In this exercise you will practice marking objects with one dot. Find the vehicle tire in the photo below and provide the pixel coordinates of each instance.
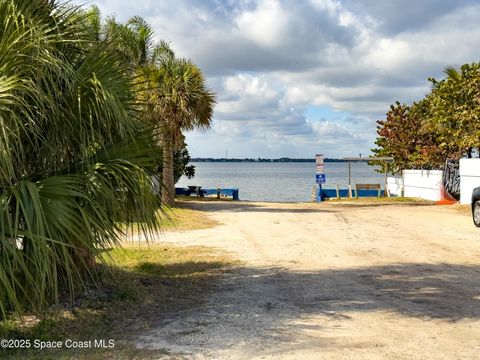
(476, 213)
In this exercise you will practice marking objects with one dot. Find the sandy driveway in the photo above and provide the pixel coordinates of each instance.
(334, 281)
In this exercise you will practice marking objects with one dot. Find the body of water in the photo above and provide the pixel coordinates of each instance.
(282, 182)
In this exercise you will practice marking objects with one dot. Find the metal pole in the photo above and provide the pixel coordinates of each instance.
(385, 186)
(349, 180)
(349, 174)
(386, 192)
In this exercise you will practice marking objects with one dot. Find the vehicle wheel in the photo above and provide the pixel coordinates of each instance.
(476, 213)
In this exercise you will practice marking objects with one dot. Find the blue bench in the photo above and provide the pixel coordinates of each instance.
(233, 193)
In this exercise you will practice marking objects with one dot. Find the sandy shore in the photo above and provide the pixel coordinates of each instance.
(334, 281)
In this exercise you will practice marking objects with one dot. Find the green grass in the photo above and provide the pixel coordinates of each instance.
(381, 200)
(182, 217)
(132, 292)
(179, 218)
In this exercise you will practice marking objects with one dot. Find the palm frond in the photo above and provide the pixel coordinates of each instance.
(75, 159)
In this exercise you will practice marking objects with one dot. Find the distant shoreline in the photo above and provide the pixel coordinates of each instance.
(279, 160)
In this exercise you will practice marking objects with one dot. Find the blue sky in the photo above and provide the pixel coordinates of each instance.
(296, 78)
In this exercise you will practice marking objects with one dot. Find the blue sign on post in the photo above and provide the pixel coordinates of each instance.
(320, 178)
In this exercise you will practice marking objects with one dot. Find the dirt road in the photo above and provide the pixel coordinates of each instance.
(334, 281)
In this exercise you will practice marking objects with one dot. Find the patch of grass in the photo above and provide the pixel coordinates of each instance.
(119, 352)
(181, 218)
(381, 200)
(167, 260)
(135, 288)
(178, 218)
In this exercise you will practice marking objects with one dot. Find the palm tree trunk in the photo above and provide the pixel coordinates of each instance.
(168, 189)
(84, 257)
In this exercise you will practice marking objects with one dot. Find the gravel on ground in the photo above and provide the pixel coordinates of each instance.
(333, 281)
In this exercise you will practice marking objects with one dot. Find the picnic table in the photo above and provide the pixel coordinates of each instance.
(196, 190)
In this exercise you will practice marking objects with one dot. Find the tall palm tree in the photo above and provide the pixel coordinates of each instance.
(74, 155)
(174, 91)
(133, 40)
(180, 101)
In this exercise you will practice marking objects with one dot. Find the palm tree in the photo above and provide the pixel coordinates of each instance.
(75, 158)
(174, 92)
(180, 102)
(133, 40)
(452, 74)
(457, 107)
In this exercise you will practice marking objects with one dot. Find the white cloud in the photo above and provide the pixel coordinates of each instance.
(266, 25)
(269, 60)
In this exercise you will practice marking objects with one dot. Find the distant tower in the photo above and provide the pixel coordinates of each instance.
(226, 153)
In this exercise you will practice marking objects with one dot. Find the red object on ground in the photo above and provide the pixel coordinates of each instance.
(447, 199)
(446, 202)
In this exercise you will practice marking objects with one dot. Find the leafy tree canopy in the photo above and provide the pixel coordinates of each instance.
(445, 124)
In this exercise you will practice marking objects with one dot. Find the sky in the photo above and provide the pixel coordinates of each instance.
(295, 78)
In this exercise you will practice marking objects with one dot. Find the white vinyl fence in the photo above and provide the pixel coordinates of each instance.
(428, 184)
(469, 178)
(395, 185)
(424, 184)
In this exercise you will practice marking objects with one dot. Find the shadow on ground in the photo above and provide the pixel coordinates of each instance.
(243, 206)
(193, 307)
(117, 304)
(294, 208)
(445, 291)
(257, 303)
(377, 204)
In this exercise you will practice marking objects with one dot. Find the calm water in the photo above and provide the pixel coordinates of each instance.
(277, 181)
